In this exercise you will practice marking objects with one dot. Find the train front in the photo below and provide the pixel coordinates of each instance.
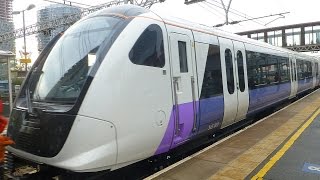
(45, 123)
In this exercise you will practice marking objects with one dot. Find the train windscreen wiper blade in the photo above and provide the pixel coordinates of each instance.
(28, 98)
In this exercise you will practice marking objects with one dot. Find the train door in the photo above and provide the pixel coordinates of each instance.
(293, 73)
(317, 73)
(242, 80)
(235, 102)
(184, 85)
(314, 78)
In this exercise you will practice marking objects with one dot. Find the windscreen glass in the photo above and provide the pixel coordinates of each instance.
(67, 66)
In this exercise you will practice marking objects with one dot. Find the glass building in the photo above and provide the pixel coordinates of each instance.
(6, 24)
(50, 13)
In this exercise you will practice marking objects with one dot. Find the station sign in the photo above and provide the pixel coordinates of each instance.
(28, 60)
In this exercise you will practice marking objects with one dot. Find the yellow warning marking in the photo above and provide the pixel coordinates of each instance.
(283, 150)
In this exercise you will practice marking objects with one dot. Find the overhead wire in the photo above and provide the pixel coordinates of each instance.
(204, 6)
(209, 5)
(221, 13)
(234, 13)
(211, 10)
(244, 14)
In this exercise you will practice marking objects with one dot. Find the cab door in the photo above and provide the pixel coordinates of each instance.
(183, 85)
(293, 76)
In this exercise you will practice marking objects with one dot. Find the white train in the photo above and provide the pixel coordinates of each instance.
(125, 84)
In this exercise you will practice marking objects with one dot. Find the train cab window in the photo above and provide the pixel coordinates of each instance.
(149, 48)
(212, 80)
(229, 71)
(240, 71)
(183, 56)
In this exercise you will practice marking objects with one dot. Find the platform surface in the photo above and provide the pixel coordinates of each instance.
(246, 154)
(301, 159)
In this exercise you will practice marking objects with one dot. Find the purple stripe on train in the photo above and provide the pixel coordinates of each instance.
(262, 97)
(211, 111)
(304, 84)
(172, 140)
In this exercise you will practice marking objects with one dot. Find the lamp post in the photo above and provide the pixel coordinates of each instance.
(31, 6)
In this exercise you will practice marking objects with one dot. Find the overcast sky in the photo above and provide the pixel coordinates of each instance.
(207, 12)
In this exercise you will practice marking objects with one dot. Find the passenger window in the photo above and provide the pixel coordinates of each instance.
(309, 69)
(295, 71)
(271, 70)
(241, 71)
(229, 70)
(212, 80)
(300, 68)
(183, 56)
(257, 70)
(292, 71)
(266, 69)
(149, 48)
(284, 69)
(317, 69)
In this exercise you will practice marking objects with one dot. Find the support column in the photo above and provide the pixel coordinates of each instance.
(284, 38)
(265, 36)
(302, 36)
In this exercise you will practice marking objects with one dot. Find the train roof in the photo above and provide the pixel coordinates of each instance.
(218, 32)
(134, 11)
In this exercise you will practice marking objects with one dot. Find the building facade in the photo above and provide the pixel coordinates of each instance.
(6, 24)
(50, 13)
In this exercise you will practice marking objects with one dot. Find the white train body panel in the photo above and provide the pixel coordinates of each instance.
(126, 112)
(91, 146)
(139, 132)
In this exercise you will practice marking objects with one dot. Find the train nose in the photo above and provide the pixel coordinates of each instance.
(90, 145)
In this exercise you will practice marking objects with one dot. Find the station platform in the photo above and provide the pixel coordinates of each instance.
(284, 145)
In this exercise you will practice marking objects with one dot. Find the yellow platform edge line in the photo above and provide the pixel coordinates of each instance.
(283, 150)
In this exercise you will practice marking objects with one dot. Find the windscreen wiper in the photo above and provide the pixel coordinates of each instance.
(28, 98)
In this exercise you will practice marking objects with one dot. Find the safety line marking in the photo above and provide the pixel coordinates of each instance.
(285, 147)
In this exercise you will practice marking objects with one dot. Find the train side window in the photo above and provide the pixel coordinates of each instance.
(271, 70)
(183, 56)
(292, 70)
(317, 69)
(258, 69)
(300, 69)
(251, 69)
(229, 71)
(149, 48)
(295, 71)
(284, 69)
(212, 80)
(309, 69)
(240, 71)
